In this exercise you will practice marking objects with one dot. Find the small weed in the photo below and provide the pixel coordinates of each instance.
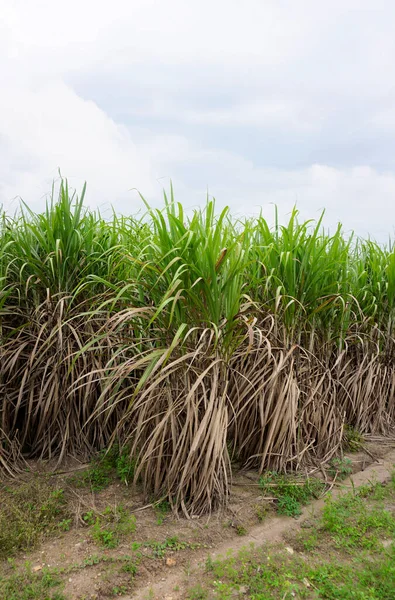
(104, 537)
(197, 593)
(240, 530)
(118, 590)
(107, 465)
(224, 591)
(289, 506)
(340, 468)
(89, 517)
(353, 440)
(291, 493)
(129, 567)
(161, 510)
(92, 560)
(209, 564)
(65, 525)
(26, 585)
(135, 546)
(28, 512)
(261, 512)
(171, 543)
(113, 524)
(98, 477)
(125, 467)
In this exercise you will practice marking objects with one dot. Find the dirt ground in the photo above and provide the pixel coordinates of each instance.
(165, 570)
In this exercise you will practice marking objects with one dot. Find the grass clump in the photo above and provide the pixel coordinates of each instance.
(27, 585)
(161, 509)
(290, 493)
(353, 523)
(197, 592)
(353, 440)
(340, 468)
(109, 527)
(105, 467)
(171, 543)
(29, 512)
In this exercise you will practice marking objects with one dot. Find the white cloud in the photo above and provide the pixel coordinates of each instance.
(172, 30)
(362, 198)
(268, 113)
(51, 127)
(276, 101)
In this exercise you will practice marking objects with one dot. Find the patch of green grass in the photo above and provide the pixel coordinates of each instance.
(291, 493)
(94, 559)
(261, 512)
(276, 576)
(170, 543)
(356, 523)
(125, 467)
(161, 510)
(241, 530)
(105, 467)
(310, 542)
(108, 528)
(26, 585)
(22, 583)
(353, 440)
(340, 468)
(361, 580)
(353, 523)
(28, 512)
(129, 567)
(197, 593)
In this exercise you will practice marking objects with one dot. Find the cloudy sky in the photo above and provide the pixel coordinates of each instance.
(258, 102)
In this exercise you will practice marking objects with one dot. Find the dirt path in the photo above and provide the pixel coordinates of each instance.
(170, 584)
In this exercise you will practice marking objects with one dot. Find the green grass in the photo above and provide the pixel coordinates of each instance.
(340, 468)
(197, 593)
(23, 583)
(29, 512)
(27, 585)
(290, 493)
(347, 561)
(161, 510)
(353, 523)
(353, 440)
(111, 526)
(105, 468)
(173, 544)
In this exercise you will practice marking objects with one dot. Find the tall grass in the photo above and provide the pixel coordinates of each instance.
(195, 339)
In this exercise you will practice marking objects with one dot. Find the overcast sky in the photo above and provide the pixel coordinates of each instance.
(259, 102)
